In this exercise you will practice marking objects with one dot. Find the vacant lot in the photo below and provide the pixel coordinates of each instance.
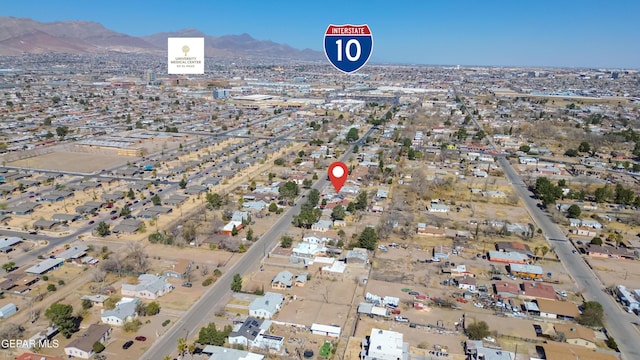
(72, 161)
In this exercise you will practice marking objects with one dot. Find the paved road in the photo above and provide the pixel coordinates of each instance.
(196, 315)
(618, 322)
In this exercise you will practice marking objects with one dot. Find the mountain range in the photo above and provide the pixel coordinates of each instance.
(26, 36)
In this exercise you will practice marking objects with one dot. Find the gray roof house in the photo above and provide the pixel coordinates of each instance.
(73, 252)
(124, 311)
(283, 280)
(266, 306)
(149, 287)
(245, 333)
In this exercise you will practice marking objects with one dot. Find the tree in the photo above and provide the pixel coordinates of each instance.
(584, 147)
(278, 162)
(478, 330)
(153, 308)
(183, 183)
(62, 131)
(286, 241)
(126, 211)
(596, 241)
(182, 346)
(338, 213)
(306, 183)
(214, 200)
(130, 194)
(7, 266)
(352, 135)
(571, 153)
(289, 191)
(62, 316)
(209, 335)
(249, 235)
(592, 314)
(314, 197)
(87, 304)
(368, 238)
(546, 191)
(51, 288)
(98, 347)
(234, 231)
(525, 148)
(544, 250)
(273, 207)
(361, 201)
(103, 229)
(236, 284)
(574, 211)
(155, 199)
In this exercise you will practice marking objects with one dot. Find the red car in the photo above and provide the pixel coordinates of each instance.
(141, 338)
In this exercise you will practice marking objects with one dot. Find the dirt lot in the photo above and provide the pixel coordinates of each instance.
(73, 161)
(614, 272)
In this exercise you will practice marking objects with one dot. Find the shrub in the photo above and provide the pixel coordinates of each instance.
(166, 322)
(98, 347)
(207, 282)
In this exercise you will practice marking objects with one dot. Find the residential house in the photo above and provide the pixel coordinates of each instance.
(429, 230)
(558, 351)
(583, 231)
(322, 226)
(508, 257)
(537, 290)
(514, 246)
(223, 353)
(525, 270)
(576, 335)
(357, 256)
(385, 345)
(82, 346)
(149, 287)
(283, 280)
(180, 269)
(301, 279)
(438, 208)
(467, 283)
(477, 350)
(266, 306)
(308, 250)
(565, 310)
(253, 333)
(506, 289)
(124, 311)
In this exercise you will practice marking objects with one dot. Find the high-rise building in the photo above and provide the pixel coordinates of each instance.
(149, 76)
(220, 93)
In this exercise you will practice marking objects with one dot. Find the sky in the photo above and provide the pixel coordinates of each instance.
(568, 33)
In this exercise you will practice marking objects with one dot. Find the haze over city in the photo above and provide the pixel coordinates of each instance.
(540, 33)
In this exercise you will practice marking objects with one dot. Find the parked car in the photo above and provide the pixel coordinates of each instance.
(400, 319)
(127, 344)
(91, 222)
(187, 284)
(141, 338)
(496, 278)
(478, 305)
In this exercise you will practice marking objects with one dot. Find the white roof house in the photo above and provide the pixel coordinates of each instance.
(223, 353)
(124, 311)
(266, 306)
(387, 345)
(326, 330)
(149, 287)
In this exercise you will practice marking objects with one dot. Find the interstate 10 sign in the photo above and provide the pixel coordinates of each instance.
(348, 47)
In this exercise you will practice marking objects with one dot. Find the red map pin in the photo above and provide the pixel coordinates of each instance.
(338, 173)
